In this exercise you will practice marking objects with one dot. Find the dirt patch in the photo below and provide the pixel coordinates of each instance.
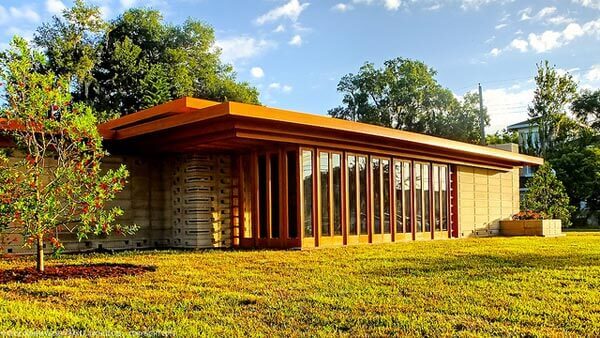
(64, 272)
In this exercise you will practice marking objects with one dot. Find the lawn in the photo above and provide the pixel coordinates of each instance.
(495, 286)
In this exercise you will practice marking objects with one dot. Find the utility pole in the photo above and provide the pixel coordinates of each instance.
(481, 116)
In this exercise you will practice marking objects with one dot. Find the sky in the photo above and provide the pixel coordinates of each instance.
(296, 51)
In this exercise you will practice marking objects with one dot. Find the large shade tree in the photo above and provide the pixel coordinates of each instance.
(137, 60)
(404, 94)
(553, 94)
(51, 181)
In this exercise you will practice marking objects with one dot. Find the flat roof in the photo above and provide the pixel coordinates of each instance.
(188, 123)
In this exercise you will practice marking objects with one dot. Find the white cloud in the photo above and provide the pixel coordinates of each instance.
(506, 105)
(257, 72)
(55, 6)
(296, 40)
(290, 10)
(433, 7)
(279, 29)
(559, 20)
(524, 13)
(392, 5)
(476, 4)
(545, 12)
(572, 31)
(593, 75)
(276, 86)
(595, 4)
(545, 41)
(519, 44)
(500, 26)
(495, 52)
(341, 7)
(242, 47)
(128, 3)
(14, 15)
(550, 39)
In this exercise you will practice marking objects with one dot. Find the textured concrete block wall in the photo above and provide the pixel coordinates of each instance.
(485, 197)
(201, 201)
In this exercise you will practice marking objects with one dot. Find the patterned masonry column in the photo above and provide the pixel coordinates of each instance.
(201, 197)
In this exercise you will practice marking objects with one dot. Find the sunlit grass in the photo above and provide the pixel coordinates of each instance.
(496, 286)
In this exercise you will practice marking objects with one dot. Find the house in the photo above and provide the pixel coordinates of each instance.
(529, 138)
(207, 174)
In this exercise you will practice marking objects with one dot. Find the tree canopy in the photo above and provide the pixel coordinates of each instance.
(404, 94)
(137, 60)
(586, 108)
(553, 94)
(546, 193)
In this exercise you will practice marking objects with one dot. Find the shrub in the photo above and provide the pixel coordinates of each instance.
(529, 214)
(546, 194)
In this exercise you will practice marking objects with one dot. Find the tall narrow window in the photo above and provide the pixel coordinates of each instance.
(336, 168)
(426, 198)
(292, 171)
(247, 193)
(362, 181)
(352, 195)
(376, 179)
(307, 192)
(419, 198)
(385, 166)
(274, 186)
(444, 193)
(263, 210)
(406, 182)
(325, 198)
(398, 196)
(437, 222)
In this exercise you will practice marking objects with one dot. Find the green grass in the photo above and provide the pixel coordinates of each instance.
(472, 287)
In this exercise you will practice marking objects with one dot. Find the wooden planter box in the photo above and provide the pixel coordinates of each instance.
(533, 227)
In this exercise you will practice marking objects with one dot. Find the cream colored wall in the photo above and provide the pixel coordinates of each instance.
(145, 201)
(485, 197)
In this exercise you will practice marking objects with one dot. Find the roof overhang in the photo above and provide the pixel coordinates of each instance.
(188, 124)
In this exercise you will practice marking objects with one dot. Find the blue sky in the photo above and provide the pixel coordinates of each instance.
(295, 51)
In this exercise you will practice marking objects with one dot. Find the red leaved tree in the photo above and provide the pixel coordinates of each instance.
(51, 179)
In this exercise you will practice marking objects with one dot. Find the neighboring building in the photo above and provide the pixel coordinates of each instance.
(206, 174)
(528, 136)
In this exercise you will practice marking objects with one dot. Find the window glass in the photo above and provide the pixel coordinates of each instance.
(398, 196)
(247, 203)
(444, 192)
(437, 222)
(292, 170)
(419, 198)
(385, 166)
(274, 196)
(336, 168)
(376, 179)
(406, 182)
(352, 194)
(263, 211)
(307, 192)
(324, 181)
(362, 181)
(426, 198)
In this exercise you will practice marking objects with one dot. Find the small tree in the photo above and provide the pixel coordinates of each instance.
(53, 182)
(547, 194)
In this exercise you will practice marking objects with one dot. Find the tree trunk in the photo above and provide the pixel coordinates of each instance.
(40, 253)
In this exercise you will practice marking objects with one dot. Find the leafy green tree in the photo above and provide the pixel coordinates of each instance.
(71, 43)
(553, 94)
(137, 61)
(404, 94)
(587, 108)
(53, 181)
(546, 193)
(502, 137)
(144, 62)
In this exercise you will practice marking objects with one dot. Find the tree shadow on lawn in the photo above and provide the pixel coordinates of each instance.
(65, 272)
